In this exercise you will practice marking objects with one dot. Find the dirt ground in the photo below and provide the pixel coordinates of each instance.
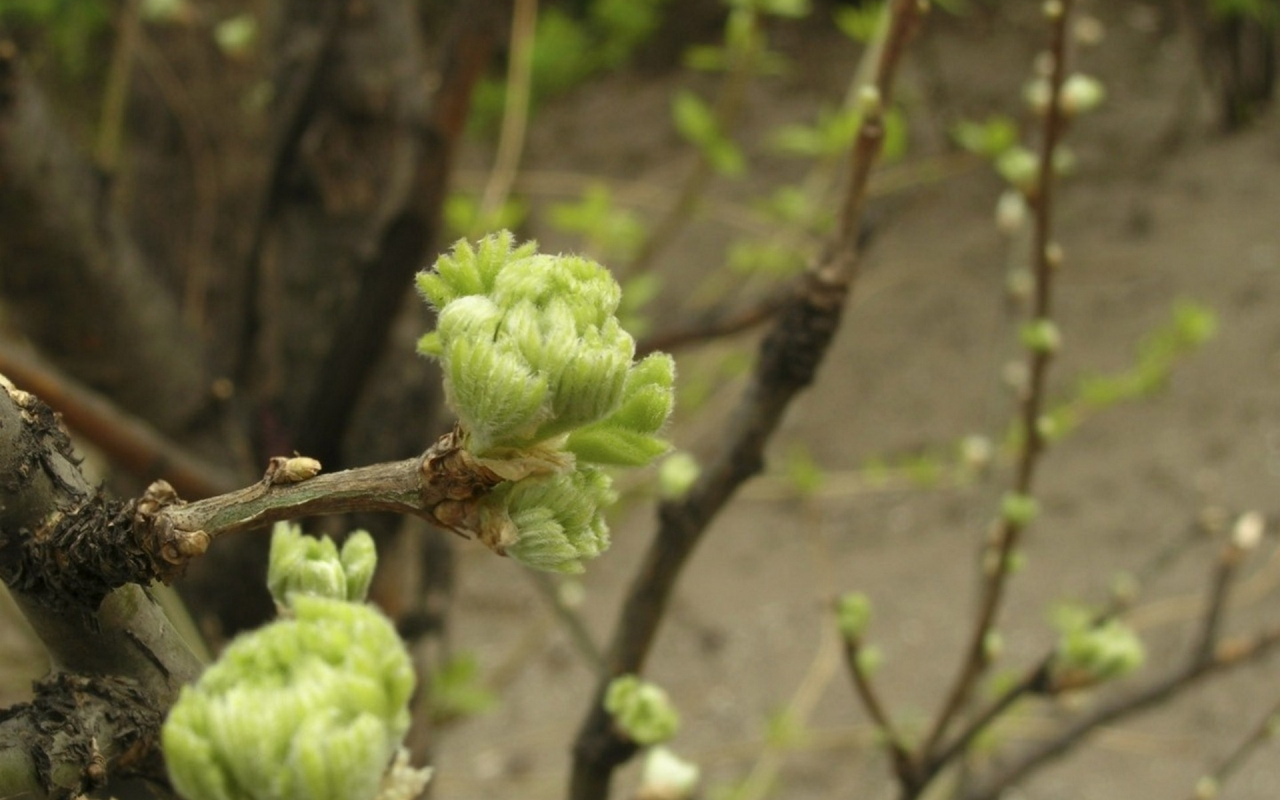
(1160, 208)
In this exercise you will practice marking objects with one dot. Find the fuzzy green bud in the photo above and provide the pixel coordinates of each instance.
(869, 660)
(1019, 509)
(311, 707)
(677, 474)
(1081, 94)
(1020, 167)
(1089, 654)
(853, 613)
(554, 523)
(1041, 336)
(532, 350)
(301, 564)
(641, 710)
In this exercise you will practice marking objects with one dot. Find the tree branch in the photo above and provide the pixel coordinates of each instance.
(789, 358)
(1228, 655)
(1009, 532)
(118, 661)
(128, 441)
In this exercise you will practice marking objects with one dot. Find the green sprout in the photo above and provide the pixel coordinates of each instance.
(313, 706)
(546, 389)
(642, 710)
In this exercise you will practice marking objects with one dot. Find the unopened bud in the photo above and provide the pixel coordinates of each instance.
(1248, 530)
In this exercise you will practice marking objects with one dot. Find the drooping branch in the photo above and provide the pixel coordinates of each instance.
(788, 360)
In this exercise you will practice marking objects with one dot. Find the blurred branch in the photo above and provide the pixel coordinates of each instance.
(1229, 654)
(74, 280)
(116, 94)
(716, 324)
(1010, 528)
(119, 661)
(515, 113)
(127, 440)
(1264, 732)
(409, 235)
(789, 358)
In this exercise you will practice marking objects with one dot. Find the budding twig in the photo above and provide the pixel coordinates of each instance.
(1044, 259)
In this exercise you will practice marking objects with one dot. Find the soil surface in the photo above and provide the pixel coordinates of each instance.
(1159, 208)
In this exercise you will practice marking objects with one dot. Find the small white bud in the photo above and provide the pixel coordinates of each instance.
(666, 776)
(1081, 94)
(1248, 530)
(1011, 212)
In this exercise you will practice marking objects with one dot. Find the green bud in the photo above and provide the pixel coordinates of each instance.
(532, 350)
(559, 520)
(641, 710)
(1088, 654)
(1041, 336)
(311, 707)
(677, 474)
(869, 660)
(1020, 167)
(853, 612)
(1207, 788)
(359, 559)
(301, 564)
(1081, 94)
(1019, 509)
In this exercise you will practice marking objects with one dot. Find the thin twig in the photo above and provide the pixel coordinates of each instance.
(440, 487)
(127, 440)
(515, 112)
(727, 108)
(1229, 654)
(115, 95)
(1032, 442)
(715, 325)
(904, 764)
(1263, 733)
(789, 358)
(1223, 576)
(569, 619)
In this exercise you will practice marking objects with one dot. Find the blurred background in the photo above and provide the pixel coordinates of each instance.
(211, 212)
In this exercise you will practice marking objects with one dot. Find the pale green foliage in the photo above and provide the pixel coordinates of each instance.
(311, 707)
(1089, 653)
(641, 710)
(540, 372)
(1019, 509)
(853, 613)
(560, 518)
(677, 474)
(306, 565)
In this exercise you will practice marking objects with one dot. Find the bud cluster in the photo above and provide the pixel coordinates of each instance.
(545, 386)
(311, 707)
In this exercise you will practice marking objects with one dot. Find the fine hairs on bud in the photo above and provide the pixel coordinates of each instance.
(313, 706)
(546, 388)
